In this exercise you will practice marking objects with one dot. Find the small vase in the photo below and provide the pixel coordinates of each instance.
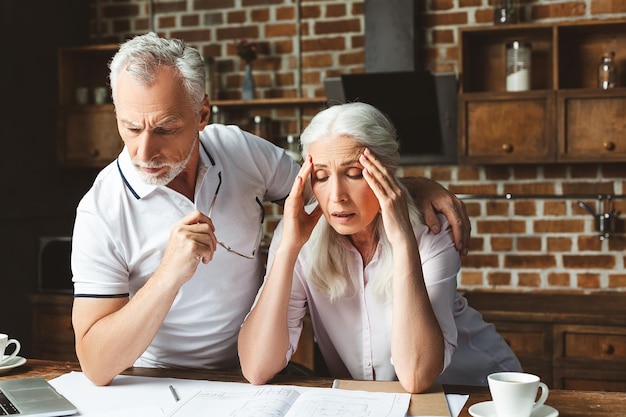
(248, 83)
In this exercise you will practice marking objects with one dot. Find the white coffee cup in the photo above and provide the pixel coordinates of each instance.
(4, 343)
(514, 393)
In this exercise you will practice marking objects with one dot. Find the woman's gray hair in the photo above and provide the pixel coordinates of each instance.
(361, 122)
(142, 56)
(372, 129)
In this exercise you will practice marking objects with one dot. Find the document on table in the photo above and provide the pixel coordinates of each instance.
(284, 401)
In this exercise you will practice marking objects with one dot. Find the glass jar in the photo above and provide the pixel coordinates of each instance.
(606, 71)
(518, 66)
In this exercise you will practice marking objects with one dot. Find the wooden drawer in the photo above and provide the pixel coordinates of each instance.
(506, 128)
(589, 379)
(597, 343)
(591, 125)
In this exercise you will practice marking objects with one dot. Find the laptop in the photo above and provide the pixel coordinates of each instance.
(33, 397)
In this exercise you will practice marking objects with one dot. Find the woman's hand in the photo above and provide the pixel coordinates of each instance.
(392, 199)
(297, 223)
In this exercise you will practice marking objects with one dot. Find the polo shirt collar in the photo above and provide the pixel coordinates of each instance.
(133, 182)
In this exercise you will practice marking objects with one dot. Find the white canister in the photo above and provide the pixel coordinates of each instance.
(517, 66)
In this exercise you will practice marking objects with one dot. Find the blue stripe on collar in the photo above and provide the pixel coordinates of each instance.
(126, 181)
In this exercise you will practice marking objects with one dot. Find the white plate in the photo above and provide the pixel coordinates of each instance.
(12, 363)
(486, 409)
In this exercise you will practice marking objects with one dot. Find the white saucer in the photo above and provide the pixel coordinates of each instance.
(12, 363)
(486, 409)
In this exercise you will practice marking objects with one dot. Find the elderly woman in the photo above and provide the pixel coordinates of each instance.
(380, 288)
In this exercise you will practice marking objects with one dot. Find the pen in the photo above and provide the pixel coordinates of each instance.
(173, 391)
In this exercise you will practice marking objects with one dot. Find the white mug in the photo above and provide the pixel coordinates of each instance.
(4, 343)
(514, 393)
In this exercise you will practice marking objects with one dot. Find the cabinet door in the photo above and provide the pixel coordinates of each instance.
(507, 128)
(87, 136)
(591, 125)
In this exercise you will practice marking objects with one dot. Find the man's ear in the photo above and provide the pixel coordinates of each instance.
(204, 113)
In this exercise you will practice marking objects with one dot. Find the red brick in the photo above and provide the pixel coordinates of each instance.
(588, 280)
(550, 11)
(561, 279)
(555, 171)
(483, 16)
(537, 188)
(525, 172)
(559, 244)
(497, 208)
(528, 243)
(473, 209)
(337, 26)
(589, 261)
(445, 19)
(529, 261)
(471, 278)
(554, 208)
(443, 36)
(501, 244)
(476, 189)
(441, 5)
(558, 226)
(591, 188)
(335, 10)
(479, 261)
(500, 226)
(467, 173)
(525, 208)
(499, 278)
(617, 281)
(440, 173)
(497, 172)
(529, 279)
(589, 243)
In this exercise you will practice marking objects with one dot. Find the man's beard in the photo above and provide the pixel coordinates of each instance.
(175, 168)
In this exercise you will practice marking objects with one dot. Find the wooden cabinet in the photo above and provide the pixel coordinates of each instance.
(564, 116)
(53, 334)
(87, 133)
(572, 341)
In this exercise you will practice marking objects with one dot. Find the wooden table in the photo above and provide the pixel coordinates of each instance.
(569, 403)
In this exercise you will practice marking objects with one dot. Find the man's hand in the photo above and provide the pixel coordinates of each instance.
(192, 240)
(432, 198)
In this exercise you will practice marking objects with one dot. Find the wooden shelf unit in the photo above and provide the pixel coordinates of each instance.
(564, 116)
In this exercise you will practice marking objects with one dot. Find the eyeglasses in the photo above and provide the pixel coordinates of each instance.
(260, 234)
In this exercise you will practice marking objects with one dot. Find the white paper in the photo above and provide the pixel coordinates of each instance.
(283, 401)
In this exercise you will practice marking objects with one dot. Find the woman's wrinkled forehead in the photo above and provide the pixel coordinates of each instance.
(333, 148)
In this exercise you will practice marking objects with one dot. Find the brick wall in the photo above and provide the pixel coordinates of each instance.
(524, 243)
